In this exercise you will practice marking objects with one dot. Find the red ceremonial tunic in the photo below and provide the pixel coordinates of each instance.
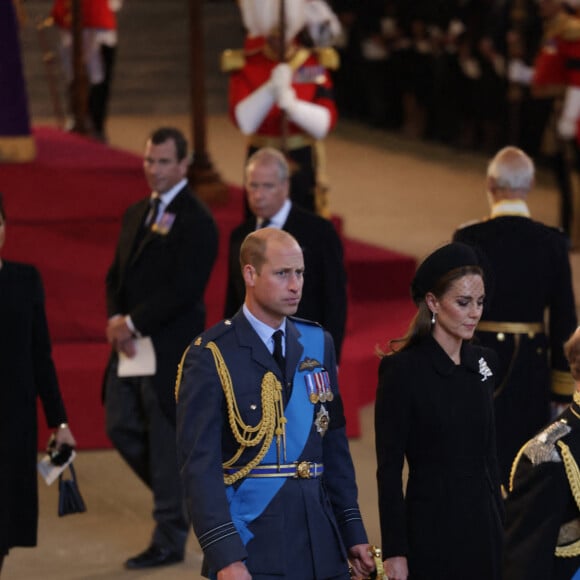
(558, 63)
(96, 14)
(311, 82)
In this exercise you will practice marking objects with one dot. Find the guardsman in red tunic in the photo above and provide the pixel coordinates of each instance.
(557, 75)
(288, 105)
(99, 46)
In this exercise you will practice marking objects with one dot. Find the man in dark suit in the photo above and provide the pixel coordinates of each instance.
(262, 449)
(155, 286)
(527, 271)
(324, 298)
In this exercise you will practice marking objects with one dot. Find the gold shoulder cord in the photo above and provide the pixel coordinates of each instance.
(180, 372)
(514, 466)
(272, 421)
(573, 474)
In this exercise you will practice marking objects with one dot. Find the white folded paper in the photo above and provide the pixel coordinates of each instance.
(49, 471)
(143, 364)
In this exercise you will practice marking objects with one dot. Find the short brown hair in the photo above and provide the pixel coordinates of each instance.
(253, 249)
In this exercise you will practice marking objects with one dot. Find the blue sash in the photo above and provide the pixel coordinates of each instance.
(577, 575)
(253, 495)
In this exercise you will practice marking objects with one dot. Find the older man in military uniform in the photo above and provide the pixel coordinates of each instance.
(527, 272)
(543, 507)
(268, 477)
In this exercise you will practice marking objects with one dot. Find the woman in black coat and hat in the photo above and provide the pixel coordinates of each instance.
(434, 408)
(26, 373)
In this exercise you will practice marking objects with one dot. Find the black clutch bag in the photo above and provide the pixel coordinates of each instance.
(70, 500)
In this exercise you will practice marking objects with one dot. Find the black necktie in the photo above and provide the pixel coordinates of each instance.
(154, 211)
(278, 353)
(265, 223)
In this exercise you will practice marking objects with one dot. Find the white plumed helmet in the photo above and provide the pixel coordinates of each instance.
(261, 16)
(322, 23)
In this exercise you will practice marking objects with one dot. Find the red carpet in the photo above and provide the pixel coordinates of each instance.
(64, 213)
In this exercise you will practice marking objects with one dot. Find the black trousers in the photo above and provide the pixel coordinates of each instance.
(145, 438)
(99, 94)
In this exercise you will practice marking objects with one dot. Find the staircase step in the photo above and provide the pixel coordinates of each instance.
(152, 65)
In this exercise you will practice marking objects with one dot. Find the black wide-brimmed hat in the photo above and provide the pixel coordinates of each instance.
(437, 264)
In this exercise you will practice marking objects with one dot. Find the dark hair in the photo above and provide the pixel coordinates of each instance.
(2, 212)
(164, 134)
(421, 326)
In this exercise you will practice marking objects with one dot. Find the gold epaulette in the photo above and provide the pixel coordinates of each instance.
(17, 148)
(571, 30)
(328, 57)
(232, 60)
(563, 26)
(562, 383)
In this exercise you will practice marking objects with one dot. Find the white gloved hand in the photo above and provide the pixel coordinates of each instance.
(570, 113)
(286, 99)
(567, 127)
(519, 72)
(322, 23)
(251, 111)
(281, 79)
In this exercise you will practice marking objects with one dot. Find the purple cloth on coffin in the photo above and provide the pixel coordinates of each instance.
(14, 119)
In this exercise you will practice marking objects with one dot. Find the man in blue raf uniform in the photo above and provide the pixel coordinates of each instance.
(267, 473)
(527, 271)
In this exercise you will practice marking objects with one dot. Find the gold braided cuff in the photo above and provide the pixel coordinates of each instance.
(562, 383)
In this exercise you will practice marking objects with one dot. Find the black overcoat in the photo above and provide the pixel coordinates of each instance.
(26, 373)
(440, 417)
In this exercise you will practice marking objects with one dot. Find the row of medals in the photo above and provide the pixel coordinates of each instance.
(318, 387)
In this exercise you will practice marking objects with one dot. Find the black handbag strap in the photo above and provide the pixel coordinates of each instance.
(72, 472)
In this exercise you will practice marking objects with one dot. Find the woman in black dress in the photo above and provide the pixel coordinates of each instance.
(26, 372)
(434, 408)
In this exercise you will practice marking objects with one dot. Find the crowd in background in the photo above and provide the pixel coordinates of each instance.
(452, 71)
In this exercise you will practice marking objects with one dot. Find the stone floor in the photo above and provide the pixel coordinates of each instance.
(402, 194)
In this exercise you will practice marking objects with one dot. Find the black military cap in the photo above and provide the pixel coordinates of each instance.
(437, 264)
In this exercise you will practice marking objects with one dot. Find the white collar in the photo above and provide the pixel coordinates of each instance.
(263, 330)
(510, 207)
(279, 218)
(169, 195)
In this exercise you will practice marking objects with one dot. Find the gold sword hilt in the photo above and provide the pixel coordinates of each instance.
(379, 573)
(377, 555)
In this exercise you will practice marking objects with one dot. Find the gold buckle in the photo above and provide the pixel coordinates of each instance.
(303, 470)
